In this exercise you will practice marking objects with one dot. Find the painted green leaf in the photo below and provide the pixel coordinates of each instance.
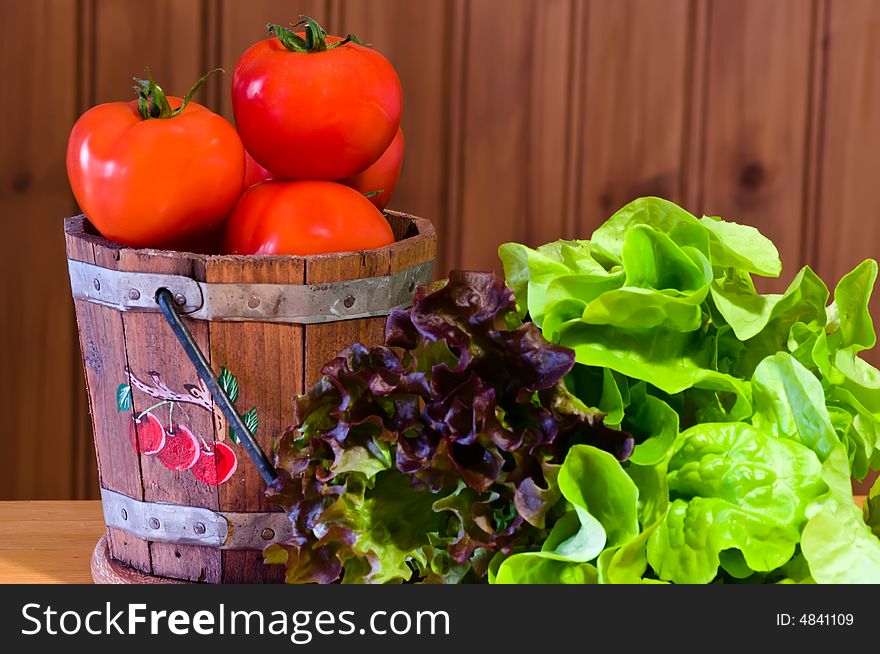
(251, 421)
(229, 384)
(123, 398)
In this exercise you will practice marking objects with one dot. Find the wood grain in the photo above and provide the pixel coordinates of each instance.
(324, 341)
(524, 119)
(754, 133)
(514, 118)
(847, 228)
(107, 570)
(102, 341)
(151, 346)
(267, 359)
(41, 362)
(272, 362)
(163, 35)
(28, 556)
(419, 54)
(634, 107)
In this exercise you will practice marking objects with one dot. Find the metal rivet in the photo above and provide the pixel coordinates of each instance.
(179, 299)
(154, 523)
(124, 514)
(412, 286)
(199, 528)
(134, 294)
(348, 302)
(267, 534)
(253, 302)
(97, 284)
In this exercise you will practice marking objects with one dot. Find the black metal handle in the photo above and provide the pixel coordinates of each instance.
(165, 300)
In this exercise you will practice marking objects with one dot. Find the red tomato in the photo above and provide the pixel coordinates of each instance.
(382, 175)
(326, 111)
(304, 217)
(254, 173)
(152, 182)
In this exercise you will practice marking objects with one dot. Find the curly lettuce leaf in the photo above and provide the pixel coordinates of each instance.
(790, 402)
(661, 215)
(390, 523)
(420, 463)
(849, 315)
(670, 360)
(742, 247)
(838, 545)
(557, 270)
(653, 260)
(871, 509)
(770, 391)
(604, 513)
(734, 487)
(654, 422)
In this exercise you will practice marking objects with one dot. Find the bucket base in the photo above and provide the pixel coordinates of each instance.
(107, 570)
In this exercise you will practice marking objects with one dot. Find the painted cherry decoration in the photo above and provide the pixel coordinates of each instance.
(182, 449)
(147, 434)
(215, 465)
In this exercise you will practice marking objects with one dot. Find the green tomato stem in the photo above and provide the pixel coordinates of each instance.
(314, 39)
(152, 101)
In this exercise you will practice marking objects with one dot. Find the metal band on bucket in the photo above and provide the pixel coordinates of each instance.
(191, 525)
(279, 303)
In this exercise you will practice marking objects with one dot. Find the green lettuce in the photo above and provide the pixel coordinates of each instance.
(750, 411)
(602, 513)
(624, 409)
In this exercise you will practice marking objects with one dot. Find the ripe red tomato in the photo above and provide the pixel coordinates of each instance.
(382, 175)
(154, 181)
(304, 217)
(312, 106)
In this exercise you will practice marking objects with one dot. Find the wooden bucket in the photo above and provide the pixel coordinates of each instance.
(272, 321)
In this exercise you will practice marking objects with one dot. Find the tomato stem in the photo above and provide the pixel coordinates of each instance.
(152, 101)
(314, 37)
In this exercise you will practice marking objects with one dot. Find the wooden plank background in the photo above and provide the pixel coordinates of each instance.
(524, 119)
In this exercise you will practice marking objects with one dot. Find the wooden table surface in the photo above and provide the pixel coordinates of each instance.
(51, 542)
(48, 542)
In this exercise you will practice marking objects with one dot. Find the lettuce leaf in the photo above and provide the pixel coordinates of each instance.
(750, 411)
(837, 544)
(734, 487)
(603, 514)
(627, 409)
(419, 463)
